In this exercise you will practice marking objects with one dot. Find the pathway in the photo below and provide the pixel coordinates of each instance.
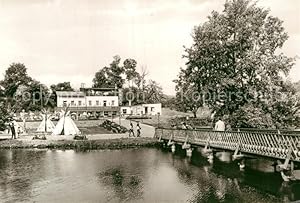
(147, 130)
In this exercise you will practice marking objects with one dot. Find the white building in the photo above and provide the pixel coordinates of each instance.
(142, 109)
(95, 101)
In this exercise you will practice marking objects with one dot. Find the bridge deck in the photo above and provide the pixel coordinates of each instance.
(275, 145)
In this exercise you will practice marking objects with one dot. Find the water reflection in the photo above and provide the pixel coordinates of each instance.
(138, 175)
(124, 186)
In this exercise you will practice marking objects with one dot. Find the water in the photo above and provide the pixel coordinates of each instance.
(133, 175)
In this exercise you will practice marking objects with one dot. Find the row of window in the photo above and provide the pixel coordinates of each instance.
(89, 103)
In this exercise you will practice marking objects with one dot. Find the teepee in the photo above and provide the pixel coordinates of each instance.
(66, 125)
(46, 124)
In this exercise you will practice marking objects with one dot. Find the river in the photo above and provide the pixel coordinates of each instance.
(132, 175)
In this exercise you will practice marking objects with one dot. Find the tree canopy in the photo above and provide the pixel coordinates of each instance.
(235, 64)
(110, 76)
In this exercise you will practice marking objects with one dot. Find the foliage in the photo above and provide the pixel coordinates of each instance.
(110, 76)
(15, 76)
(130, 69)
(186, 99)
(3, 110)
(63, 86)
(152, 93)
(32, 97)
(235, 57)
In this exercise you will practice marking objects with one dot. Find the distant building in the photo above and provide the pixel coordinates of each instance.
(98, 102)
(142, 109)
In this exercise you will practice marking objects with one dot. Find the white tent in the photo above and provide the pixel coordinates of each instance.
(46, 124)
(66, 126)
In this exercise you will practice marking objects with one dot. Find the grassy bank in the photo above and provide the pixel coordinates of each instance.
(80, 144)
(170, 117)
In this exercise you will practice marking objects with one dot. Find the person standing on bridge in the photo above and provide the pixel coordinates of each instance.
(220, 125)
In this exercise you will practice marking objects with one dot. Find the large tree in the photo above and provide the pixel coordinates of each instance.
(15, 75)
(110, 76)
(236, 64)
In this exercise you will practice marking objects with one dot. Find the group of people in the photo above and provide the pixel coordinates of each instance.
(138, 130)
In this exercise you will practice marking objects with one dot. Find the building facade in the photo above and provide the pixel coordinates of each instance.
(142, 109)
(97, 102)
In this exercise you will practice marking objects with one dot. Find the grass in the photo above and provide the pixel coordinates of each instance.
(85, 126)
(169, 114)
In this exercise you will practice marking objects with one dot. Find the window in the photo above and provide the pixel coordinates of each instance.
(114, 113)
(90, 103)
(124, 111)
(152, 109)
(104, 103)
(113, 103)
(97, 103)
(105, 113)
(64, 103)
(72, 103)
(79, 103)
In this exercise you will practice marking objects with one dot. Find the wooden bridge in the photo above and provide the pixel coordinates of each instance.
(278, 145)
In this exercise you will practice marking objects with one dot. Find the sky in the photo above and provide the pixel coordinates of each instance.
(69, 40)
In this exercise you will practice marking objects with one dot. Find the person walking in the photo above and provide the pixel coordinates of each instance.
(138, 130)
(131, 130)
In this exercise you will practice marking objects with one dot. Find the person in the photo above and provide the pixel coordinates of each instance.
(12, 129)
(131, 130)
(138, 130)
(220, 125)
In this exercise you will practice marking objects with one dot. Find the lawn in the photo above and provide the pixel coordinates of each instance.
(85, 126)
(164, 120)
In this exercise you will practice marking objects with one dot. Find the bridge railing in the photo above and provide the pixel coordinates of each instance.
(269, 144)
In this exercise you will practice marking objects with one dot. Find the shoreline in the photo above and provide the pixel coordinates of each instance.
(118, 143)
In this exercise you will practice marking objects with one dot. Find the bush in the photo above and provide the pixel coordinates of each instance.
(39, 137)
(113, 127)
(80, 137)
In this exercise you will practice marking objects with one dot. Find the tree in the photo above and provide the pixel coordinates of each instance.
(235, 59)
(130, 70)
(187, 98)
(32, 97)
(153, 92)
(15, 76)
(140, 79)
(63, 86)
(110, 76)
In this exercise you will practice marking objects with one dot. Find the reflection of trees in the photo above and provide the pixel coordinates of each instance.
(19, 170)
(125, 186)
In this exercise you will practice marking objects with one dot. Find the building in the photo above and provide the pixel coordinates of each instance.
(98, 102)
(142, 109)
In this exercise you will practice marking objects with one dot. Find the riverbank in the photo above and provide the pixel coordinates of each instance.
(119, 143)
